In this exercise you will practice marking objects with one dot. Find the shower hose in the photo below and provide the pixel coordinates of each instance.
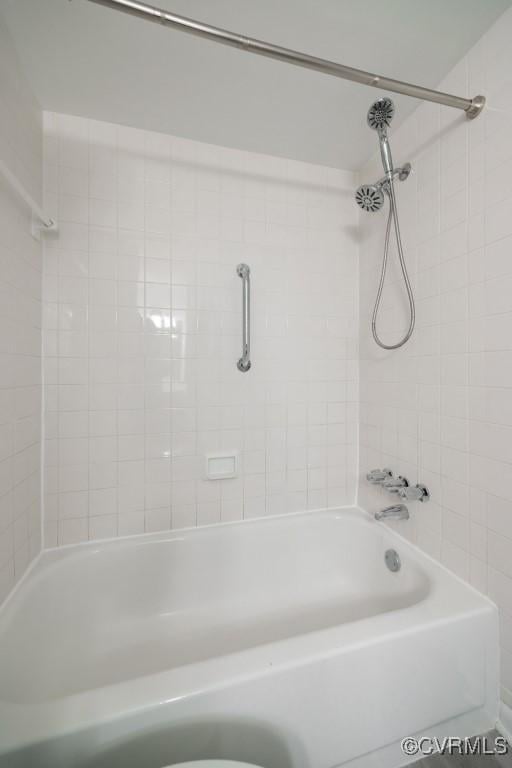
(393, 216)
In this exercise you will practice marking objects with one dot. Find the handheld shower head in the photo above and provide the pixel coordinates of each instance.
(379, 117)
(370, 197)
(381, 114)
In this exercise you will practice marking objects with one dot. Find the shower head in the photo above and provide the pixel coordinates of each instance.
(381, 114)
(370, 197)
(379, 117)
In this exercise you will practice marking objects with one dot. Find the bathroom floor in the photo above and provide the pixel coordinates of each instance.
(469, 761)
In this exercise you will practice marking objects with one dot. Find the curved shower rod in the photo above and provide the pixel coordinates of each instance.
(472, 107)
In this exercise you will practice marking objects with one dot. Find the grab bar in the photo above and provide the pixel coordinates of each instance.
(244, 362)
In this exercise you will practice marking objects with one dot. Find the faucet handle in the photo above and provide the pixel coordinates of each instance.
(378, 475)
(393, 484)
(417, 492)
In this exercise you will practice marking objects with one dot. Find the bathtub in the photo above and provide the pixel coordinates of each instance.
(285, 642)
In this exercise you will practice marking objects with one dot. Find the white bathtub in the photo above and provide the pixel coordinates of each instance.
(284, 642)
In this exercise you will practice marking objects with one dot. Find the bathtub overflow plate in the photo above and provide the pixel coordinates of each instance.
(392, 560)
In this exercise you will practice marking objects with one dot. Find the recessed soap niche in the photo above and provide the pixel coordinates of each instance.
(221, 466)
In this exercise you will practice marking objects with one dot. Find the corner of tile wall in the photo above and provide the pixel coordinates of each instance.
(20, 327)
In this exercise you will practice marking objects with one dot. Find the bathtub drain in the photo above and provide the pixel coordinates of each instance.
(392, 560)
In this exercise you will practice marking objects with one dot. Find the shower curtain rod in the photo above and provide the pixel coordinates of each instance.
(472, 107)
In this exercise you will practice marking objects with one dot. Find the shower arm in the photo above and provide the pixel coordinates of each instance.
(472, 107)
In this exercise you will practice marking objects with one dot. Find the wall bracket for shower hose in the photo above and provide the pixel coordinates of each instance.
(402, 174)
(404, 171)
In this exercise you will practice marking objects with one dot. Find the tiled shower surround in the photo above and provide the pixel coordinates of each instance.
(440, 410)
(20, 327)
(142, 331)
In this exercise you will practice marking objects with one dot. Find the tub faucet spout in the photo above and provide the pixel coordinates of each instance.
(395, 512)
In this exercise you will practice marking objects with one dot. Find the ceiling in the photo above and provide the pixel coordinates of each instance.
(87, 60)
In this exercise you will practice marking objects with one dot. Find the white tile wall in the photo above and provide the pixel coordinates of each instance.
(20, 327)
(142, 330)
(440, 410)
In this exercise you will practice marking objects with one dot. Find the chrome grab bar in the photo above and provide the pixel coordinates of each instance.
(244, 272)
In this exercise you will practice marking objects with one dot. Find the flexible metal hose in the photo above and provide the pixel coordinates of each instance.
(393, 216)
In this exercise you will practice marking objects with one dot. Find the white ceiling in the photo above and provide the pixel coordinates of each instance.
(87, 60)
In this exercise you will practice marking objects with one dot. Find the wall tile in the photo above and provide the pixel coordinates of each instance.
(457, 219)
(146, 320)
